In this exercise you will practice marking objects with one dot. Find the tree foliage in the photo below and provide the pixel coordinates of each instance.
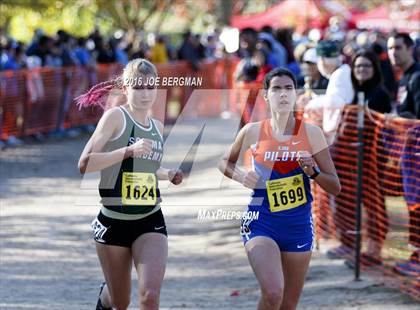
(21, 17)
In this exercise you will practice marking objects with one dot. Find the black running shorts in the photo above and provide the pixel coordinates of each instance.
(111, 231)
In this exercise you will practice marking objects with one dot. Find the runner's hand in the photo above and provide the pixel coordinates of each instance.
(307, 163)
(175, 176)
(250, 179)
(141, 147)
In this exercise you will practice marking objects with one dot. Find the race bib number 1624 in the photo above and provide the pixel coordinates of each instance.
(138, 188)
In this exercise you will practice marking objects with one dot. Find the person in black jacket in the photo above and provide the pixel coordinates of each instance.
(400, 51)
(189, 51)
(390, 83)
(366, 77)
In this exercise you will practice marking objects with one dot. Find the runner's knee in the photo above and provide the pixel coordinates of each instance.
(288, 304)
(273, 295)
(120, 302)
(149, 298)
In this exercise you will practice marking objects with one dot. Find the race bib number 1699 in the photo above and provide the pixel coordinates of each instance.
(286, 193)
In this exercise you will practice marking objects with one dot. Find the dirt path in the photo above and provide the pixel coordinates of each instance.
(48, 260)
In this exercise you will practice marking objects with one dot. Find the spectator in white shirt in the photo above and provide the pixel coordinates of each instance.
(339, 91)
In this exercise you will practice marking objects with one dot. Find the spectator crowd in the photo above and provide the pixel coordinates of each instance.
(63, 49)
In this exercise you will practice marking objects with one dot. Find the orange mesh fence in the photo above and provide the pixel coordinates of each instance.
(176, 95)
(12, 102)
(390, 202)
(44, 89)
(42, 100)
(205, 105)
(391, 192)
(215, 76)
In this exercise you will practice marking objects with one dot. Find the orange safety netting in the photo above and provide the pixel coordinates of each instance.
(42, 100)
(391, 195)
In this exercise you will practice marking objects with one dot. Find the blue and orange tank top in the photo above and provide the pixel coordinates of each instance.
(284, 189)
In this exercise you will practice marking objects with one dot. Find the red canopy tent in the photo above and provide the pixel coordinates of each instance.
(388, 17)
(301, 15)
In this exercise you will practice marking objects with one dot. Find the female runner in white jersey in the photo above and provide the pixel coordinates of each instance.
(286, 154)
(127, 148)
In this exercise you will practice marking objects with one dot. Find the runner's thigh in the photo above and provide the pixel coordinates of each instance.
(264, 257)
(116, 265)
(150, 252)
(295, 267)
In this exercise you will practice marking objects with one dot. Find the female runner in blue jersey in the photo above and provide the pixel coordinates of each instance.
(127, 148)
(286, 154)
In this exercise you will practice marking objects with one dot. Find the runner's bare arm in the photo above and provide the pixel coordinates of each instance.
(173, 175)
(228, 163)
(92, 159)
(161, 173)
(327, 178)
